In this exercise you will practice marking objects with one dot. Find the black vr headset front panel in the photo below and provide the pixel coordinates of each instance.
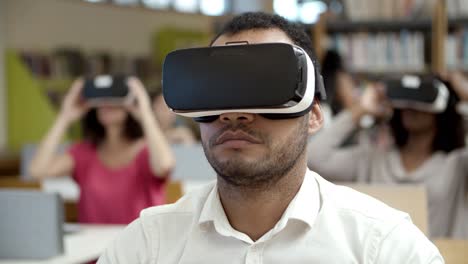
(105, 87)
(425, 92)
(231, 77)
(275, 80)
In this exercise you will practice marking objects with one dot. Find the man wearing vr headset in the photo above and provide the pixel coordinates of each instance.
(266, 206)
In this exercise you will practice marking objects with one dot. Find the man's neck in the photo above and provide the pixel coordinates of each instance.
(256, 211)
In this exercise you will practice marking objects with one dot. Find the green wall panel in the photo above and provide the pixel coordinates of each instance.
(30, 114)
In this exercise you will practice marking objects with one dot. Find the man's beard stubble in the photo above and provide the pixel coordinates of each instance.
(268, 169)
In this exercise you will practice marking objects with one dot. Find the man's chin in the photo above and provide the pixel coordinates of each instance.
(243, 175)
(236, 160)
(242, 154)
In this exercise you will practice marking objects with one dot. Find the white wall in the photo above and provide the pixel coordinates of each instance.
(3, 108)
(46, 24)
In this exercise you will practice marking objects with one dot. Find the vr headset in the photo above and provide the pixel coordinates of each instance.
(106, 89)
(427, 94)
(276, 80)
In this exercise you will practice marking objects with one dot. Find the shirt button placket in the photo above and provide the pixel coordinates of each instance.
(254, 255)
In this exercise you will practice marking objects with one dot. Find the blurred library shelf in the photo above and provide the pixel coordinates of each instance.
(383, 51)
(378, 26)
(456, 44)
(386, 37)
(460, 21)
(456, 49)
(457, 10)
(387, 10)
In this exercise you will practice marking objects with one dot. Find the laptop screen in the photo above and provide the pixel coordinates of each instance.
(31, 224)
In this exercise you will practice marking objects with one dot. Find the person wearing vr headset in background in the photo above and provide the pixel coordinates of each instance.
(123, 161)
(266, 206)
(428, 146)
(342, 93)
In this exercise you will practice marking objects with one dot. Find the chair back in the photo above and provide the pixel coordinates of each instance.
(411, 199)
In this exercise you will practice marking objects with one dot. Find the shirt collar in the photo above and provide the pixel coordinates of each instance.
(304, 207)
(213, 212)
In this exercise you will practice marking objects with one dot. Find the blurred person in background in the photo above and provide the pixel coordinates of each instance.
(428, 148)
(343, 94)
(339, 85)
(174, 129)
(123, 162)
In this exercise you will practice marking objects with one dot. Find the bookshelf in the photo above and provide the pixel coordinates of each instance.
(456, 45)
(378, 26)
(457, 22)
(409, 45)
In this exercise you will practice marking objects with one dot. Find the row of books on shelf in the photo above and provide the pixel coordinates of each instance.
(456, 50)
(71, 63)
(457, 8)
(364, 10)
(381, 52)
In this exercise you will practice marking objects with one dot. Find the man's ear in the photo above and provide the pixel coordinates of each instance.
(315, 118)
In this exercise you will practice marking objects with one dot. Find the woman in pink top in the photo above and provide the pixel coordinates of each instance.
(122, 164)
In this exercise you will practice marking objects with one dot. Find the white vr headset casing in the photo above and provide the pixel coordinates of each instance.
(277, 80)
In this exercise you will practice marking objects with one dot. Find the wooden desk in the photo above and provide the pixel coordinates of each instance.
(453, 251)
(85, 244)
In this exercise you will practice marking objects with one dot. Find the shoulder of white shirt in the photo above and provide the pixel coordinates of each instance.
(191, 202)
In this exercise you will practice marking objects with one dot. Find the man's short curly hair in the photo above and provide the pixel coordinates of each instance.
(260, 20)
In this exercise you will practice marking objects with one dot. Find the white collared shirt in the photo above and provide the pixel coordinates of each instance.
(324, 223)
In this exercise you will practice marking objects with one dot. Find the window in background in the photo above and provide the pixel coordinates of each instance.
(309, 12)
(187, 6)
(156, 4)
(286, 8)
(213, 7)
(304, 11)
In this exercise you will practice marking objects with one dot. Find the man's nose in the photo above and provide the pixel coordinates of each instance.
(237, 117)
